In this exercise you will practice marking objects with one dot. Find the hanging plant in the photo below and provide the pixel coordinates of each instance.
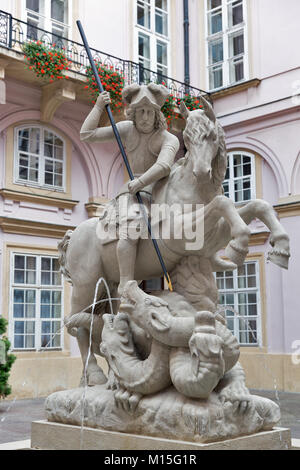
(46, 62)
(6, 361)
(112, 81)
(191, 102)
(168, 109)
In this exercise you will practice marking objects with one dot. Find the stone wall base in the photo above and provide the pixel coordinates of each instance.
(55, 436)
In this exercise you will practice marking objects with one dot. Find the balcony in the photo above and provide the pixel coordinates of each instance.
(14, 33)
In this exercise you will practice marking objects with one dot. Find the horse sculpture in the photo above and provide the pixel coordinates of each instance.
(195, 179)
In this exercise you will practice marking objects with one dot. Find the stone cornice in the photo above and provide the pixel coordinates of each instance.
(289, 209)
(95, 206)
(33, 228)
(235, 88)
(61, 203)
(259, 238)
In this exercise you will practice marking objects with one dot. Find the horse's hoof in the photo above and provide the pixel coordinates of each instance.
(281, 259)
(235, 253)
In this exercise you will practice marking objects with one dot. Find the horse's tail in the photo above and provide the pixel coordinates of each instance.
(81, 320)
(62, 249)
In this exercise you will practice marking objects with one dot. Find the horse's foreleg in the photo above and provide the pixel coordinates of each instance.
(279, 239)
(222, 206)
(92, 373)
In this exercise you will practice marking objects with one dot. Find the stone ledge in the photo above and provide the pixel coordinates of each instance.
(230, 90)
(55, 436)
(20, 196)
(34, 228)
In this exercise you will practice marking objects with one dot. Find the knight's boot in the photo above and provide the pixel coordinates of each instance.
(126, 252)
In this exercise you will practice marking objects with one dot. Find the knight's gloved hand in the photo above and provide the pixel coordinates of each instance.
(134, 186)
(103, 99)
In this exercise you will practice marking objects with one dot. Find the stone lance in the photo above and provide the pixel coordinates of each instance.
(122, 150)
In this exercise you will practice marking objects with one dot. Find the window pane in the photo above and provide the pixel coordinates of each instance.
(58, 153)
(59, 10)
(49, 178)
(46, 327)
(162, 57)
(144, 46)
(33, 5)
(30, 327)
(30, 311)
(56, 297)
(215, 24)
(216, 77)
(18, 296)
(18, 311)
(45, 296)
(56, 311)
(46, 264)
(236, 71)
(213, 4)
(23, 143)
(45, 311)
(34, 142)
(29, 341)
(19, 261)
(235, 13)
(19, 277)
(162, 4)
(161, 23)
(216, 51)
(19, 327)
(236, 44)
(143, 13)
(48, 150)
(19, 342)
(45, 340)
(58, 180)
(56, 279)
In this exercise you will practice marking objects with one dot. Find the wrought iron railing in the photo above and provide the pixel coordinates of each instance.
(15, 32)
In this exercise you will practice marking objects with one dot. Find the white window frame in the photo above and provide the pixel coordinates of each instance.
(41, 174)
(46, 20)
(38, 287)
(235, 291)
(154, 37)
(225, 33)
(232, 179)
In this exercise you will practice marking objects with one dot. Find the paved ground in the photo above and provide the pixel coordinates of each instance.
(16, 415)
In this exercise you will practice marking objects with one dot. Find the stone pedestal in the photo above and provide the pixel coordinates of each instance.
(55, 436)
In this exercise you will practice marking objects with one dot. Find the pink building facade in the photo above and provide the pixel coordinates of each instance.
(246, 55)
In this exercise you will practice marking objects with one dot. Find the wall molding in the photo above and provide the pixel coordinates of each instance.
(18, 196)
(259, 238)
(235, 88)
(33, 228)
(290, 209)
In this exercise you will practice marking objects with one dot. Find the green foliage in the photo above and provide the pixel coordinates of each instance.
(191, 102)
(5, 389)
(45, 61)
(112, 81)
(168, 109)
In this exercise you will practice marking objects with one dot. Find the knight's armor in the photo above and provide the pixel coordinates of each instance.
(150, 155)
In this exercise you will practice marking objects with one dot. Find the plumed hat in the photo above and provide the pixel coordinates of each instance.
(139, 95)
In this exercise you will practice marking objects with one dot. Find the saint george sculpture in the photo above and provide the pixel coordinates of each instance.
(173, 367)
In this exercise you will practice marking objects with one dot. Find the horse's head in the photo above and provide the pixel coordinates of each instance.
(203, 138)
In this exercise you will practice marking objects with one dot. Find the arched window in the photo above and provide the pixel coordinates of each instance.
(239, 183)
(39, 158)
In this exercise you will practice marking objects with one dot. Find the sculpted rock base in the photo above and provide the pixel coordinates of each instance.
(187, 419)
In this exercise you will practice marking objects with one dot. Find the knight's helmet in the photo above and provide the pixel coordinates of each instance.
(138, 95)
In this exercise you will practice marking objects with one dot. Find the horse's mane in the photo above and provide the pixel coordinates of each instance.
(199, 127)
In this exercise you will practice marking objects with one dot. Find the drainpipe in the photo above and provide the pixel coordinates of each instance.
(186, 41)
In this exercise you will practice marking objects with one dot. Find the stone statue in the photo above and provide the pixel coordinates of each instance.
(151, 151)
(173, 363)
